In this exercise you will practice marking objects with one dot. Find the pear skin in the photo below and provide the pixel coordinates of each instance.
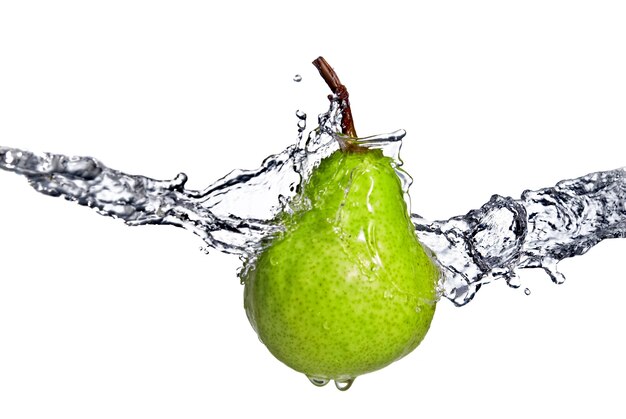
(345, 288)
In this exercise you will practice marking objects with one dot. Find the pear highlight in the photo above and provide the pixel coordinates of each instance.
(345, 288)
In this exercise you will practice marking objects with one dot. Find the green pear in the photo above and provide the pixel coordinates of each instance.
(345, 288)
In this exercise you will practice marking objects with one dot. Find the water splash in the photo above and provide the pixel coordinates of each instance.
(538, 230)
(220, 214)
(505, 234)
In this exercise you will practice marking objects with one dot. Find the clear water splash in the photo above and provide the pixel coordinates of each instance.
(538, 230)
(221, 214)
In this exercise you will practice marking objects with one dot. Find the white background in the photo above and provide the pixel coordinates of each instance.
(102, 320)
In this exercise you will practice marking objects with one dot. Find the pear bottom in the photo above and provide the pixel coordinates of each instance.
(335, 334)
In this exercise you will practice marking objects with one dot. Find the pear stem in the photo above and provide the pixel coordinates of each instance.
(338, 89)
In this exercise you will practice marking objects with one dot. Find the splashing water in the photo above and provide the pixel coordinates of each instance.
(538, 230)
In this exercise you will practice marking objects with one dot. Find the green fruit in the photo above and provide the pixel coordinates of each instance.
(346, 288)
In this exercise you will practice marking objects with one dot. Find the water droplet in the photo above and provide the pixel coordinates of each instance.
(344, 385)
(556, 276)
(526, 291)
(178, 182)
(326, 326)
(301, 123)
(297, 78)
(512, 280)
(319, 382)
(388, 294)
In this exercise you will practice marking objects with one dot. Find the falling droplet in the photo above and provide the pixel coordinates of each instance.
(319, 382)
(556, 276)
(301, 123)
(344, 385)
(297, 78)
(526, 291)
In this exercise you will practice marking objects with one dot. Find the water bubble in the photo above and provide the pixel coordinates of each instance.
(526, 291)
(319, 382)
(344, 385)
(297, 78)
(12, 156)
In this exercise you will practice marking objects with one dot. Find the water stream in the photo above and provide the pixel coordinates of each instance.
(235, 213)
